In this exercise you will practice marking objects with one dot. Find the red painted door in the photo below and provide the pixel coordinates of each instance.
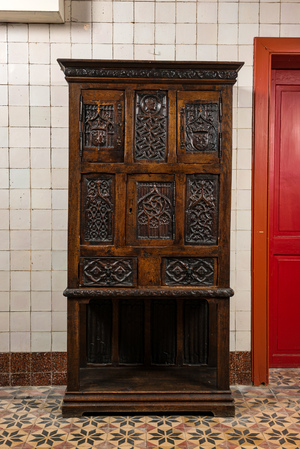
(284, 221)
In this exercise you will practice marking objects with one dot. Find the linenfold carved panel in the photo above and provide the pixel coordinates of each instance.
(151, 126)
(102, 126)
(108, 271)
(201, 215)
(199, 127)
(98, 209)
(155, 210)
(189, 271)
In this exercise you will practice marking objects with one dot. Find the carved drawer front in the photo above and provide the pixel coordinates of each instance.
(189, 271)
(97, 209)
(151, 210)
(199, 126)
(151, 126)
(108, 271)
(102, 126)
(201, 210)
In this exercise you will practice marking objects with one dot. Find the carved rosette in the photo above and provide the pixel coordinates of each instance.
(155, 210)
(201, 215)
(189, 271)
(107, 271)
(151, 126)
(98, 209)
(199, 127)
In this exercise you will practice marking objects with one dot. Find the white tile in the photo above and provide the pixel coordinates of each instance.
(185, 33)
(59, 240)
(165, 12)
(227, 34)
(269, 30)
(57, 75)
(40, 240)
(18, 95)
(40, 158)
(244, 158)
(144, 11)
(245, 96)
(144, 33)
(227, 53)
(206, 52)
(243, 240)
(4, 260)
(40, 321)
(122, 11)
(19, 137)
(4, 240)
(18, 53)
(40, 137)
(4, 281)
(40, 178)
(3, 115)
(4, 178)
(59, 96)
(102, 11)
(243, 321)
(4, 301)
(59, 178)
(59, 199)
(207, 34)
(244, 179)
(41, 281)
(244, 139)
(269, 13)
(81, 51)
(244, 200)
(60, 139)
(59, 341)
(59, 321)
(102, 51)
(39, 74)
(81, 33)
(243, 260)
(41, 260)
(232, 341)
(60, 157)
(41, 301)
(247, 33)
(123, 33)
(20, 280)
(3, 95)
(40, 341)
(20, 321)
(4, 219)
(59, 117)
(40, 199)
(123, 51)
(290, 13)
(248, 13)
(19, 219)
(165, 33)
(17, 32)
(59, 281)
(20, 260)
(59, 219)
(3, 74)
(20, 199)
(40, 116)
(207, 12)
(59, 260)
(39, 32)
(20, 341)
(3, 52)
(228, 13)
(186, 52)
(39, 96)
(39, 53)
(4, 199)
(102, 33)
(81, 11)
(186, 12)
(59, 302)
(60, 32)
(59, 51)
(19, 116)
(41, 219)
(144, 52)
(289, 30)
(19, 240)
(19, 178)
(4, 321)
(243, 341)
(20, 301)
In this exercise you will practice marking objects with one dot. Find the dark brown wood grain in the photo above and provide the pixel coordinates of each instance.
(149, 227)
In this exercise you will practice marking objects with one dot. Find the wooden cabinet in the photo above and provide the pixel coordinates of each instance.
(149, 223)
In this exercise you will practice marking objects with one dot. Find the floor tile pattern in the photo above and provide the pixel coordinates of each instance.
(266, 418)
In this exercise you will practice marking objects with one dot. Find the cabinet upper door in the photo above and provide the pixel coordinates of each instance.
(199, 126)
(102, 125)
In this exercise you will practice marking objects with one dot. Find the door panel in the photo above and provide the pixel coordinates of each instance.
(284, 254)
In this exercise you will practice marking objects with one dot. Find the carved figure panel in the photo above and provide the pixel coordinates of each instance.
(189, 271)
(151, 126)
(155, 210)
(98, 209)
(103, 126)
(201, 215)
(199, 127)
(108, 271)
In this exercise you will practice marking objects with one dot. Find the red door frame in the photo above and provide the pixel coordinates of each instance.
(264, 49)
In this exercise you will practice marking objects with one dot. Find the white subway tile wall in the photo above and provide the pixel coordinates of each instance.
(34, 140)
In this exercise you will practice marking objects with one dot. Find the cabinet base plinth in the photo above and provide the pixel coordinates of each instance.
(76, 404)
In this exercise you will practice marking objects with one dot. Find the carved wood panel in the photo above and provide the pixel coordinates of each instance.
(155, 210)
(150, 126)
(195, 331)
(98, 208)
(201, 214)
(99, 331)
(189, 271)
(108, 271)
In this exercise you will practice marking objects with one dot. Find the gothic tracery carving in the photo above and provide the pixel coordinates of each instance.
(108, 271)
(189, 271)
(101, 128)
